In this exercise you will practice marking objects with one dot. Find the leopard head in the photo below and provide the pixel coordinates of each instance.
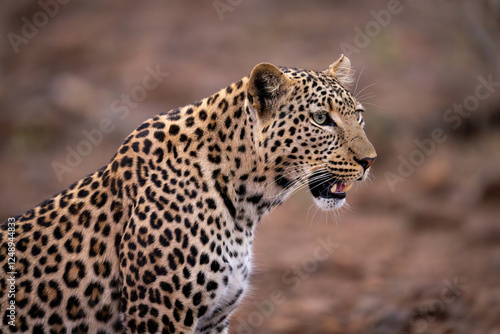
(311, 130)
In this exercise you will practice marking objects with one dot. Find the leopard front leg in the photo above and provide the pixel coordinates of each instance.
(159, 295)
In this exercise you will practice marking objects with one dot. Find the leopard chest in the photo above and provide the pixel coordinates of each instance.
(232, 281)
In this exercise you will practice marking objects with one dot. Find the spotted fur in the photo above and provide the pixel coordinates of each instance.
(160, 239)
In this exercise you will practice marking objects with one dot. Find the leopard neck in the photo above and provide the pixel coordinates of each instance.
(228, 151)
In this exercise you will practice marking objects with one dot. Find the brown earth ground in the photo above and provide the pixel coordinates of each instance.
(417, 251)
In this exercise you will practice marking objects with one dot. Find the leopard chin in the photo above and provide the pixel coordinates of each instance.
(329, 203)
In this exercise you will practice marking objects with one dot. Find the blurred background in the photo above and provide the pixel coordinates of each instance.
(417, 250)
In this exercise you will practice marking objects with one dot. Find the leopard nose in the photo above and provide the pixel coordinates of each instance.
(365, 162)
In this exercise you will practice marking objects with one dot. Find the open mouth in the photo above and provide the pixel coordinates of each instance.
(325, 185)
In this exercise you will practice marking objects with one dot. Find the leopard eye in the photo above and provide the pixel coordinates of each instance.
(320, 118)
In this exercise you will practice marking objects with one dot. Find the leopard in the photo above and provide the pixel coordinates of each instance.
(160, 239)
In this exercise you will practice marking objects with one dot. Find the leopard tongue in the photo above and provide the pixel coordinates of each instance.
(340, 187)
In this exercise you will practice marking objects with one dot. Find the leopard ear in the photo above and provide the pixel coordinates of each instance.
(341, 69)
(266, 86)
